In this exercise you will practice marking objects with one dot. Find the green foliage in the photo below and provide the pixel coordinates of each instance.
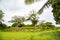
(30, 1)
(53, 1)
(1, 15)
(2, 26)
(14, 24)
(47, 25)
(56, 11)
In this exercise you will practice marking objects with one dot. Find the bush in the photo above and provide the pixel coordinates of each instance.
(14, 24)
(2, 26)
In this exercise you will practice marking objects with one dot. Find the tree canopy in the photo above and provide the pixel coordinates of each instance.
(56, 11)
(18, 19)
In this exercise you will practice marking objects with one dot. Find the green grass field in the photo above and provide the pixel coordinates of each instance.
(45, 35)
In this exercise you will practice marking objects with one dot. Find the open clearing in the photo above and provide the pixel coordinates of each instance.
(45, 35)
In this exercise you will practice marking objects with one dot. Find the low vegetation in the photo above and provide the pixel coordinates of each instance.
(45, 35)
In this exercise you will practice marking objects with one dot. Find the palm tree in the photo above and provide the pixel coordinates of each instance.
(33, 17)
(55, 5)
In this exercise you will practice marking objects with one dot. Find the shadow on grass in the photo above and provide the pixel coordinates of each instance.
(57, 35)
(53, 35)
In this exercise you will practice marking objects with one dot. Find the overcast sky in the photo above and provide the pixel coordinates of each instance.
(18, 7)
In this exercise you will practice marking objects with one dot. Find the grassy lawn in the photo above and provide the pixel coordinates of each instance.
(46, 35)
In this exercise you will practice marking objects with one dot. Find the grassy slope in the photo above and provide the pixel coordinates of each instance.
(46, 35)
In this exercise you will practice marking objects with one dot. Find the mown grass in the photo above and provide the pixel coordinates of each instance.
(45, 35)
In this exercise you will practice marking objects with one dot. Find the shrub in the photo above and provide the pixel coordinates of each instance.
(14, 24)
(3, 26)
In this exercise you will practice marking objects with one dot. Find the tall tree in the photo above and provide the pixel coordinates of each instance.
(1, 19)
(18, 19)
(56, 11)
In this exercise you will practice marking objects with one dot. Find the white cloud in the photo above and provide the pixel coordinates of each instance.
(47, 15)
(18, 7)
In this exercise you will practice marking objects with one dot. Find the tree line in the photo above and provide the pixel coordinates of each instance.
(18, 21)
